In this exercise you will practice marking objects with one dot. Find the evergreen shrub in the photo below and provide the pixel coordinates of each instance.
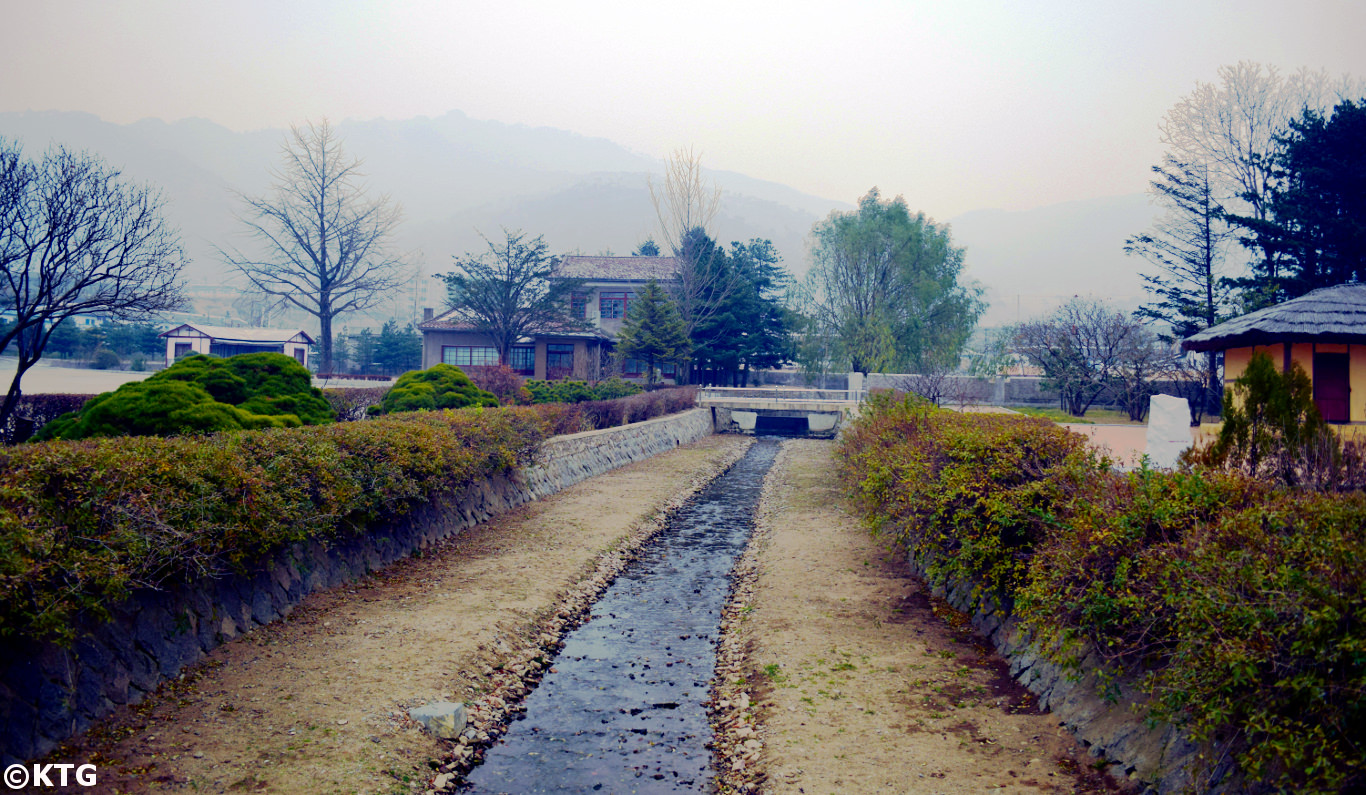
(202, 394)
(442, 386)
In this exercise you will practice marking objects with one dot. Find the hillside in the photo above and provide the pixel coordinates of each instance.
(457, 177)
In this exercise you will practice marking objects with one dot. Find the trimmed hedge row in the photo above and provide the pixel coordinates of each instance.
(1239, 606)
(83, 523)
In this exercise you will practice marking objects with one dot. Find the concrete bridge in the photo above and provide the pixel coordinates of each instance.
(782, 410)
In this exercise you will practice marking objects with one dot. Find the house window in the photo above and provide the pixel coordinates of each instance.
(578, 305)
(182, 349)
(523, 360)
(668, 369)
(612, 305)
(559, 360)
(299, 354)
(632, 367)
(469, 356)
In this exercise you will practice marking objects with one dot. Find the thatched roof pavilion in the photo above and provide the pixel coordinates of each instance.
(1328, 314)
(1324, 332)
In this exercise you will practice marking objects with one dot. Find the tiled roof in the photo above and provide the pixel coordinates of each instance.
(1328, 314)
(234, 334)
(637, 269)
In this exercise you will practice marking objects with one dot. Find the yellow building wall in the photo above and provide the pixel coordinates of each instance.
(1302, 353)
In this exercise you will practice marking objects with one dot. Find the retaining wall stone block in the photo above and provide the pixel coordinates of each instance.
(47, 692)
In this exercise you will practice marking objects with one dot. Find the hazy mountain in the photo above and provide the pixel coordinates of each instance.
(456, 177)
(451, 174)
(1032, 260)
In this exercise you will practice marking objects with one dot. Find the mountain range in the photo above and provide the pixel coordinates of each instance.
(457, 178)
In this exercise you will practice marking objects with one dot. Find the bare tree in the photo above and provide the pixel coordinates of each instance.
(686, 205)
(77, 239)
(258, 309)
(684, 201)
(325, 241)
(510, 291)
(1231, 128)
(1081, 348)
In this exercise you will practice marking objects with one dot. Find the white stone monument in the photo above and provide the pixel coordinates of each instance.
(1169, 430)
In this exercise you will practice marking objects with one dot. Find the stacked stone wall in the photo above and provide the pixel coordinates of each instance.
(49, 692)
(1106, 714)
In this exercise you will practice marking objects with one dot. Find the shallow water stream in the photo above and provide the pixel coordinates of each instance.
(621, 709)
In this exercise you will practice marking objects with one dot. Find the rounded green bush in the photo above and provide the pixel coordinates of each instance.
(106, 359)
(442, 386)
(202, 394)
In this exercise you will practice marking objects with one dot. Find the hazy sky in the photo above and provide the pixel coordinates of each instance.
(957, 105)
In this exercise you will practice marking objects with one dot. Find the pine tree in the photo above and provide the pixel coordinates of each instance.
(653, 329)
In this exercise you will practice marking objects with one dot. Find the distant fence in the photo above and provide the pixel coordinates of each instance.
(1017, 390)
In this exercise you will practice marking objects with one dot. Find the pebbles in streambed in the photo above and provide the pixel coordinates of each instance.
(738, 743)
(516, 663)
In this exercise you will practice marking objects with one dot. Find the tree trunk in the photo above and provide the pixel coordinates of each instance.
(325, 342)
(15, 392)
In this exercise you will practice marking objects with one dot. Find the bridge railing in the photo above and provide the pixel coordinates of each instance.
(779, 393)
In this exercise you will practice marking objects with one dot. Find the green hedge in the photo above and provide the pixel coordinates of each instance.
(1239, 605)
(83, 523)
(579, 391)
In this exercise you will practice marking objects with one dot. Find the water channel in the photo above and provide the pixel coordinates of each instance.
(621, 710)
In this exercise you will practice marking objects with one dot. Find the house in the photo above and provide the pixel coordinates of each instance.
(609, 284)
(1324, 332)
(190, 338)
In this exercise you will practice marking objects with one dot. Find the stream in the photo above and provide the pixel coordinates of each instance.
(621, 709)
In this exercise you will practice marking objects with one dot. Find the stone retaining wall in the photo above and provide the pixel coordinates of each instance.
(49, 693)
(1100, 712)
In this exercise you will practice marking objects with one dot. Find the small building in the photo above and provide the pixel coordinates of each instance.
(224, 341)
(574, 354)
(609, 285)
(1324, 332)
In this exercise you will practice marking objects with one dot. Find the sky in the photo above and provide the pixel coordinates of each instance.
(958, 104)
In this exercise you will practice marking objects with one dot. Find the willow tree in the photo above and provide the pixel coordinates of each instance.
(885, 289)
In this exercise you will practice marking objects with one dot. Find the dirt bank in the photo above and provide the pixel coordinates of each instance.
(840, 675)
(315, 703)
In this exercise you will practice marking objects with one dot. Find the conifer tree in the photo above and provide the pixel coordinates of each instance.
(653, 330)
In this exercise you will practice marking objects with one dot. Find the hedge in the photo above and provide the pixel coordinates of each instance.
(1239, 605)
(83, 523)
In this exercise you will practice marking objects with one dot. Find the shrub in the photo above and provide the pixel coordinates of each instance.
(559, 391)
(202, 394)
(502, 383)
(38, 410)
(1273, 429)
(442, 386)
(157, 408)
(83, 523)
(580, 391)
(106, 359)
(1238, 604)
(614, 388)
(352, 403)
